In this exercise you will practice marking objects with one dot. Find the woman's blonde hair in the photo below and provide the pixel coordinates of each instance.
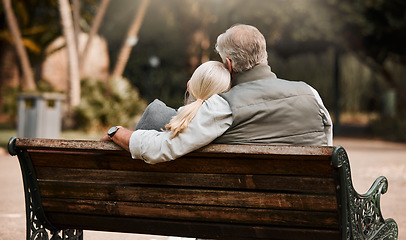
(208, 79)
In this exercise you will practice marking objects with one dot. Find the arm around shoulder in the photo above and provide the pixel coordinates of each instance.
(212, 120)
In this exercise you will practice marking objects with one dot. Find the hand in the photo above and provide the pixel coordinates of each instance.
(105, 137)
(121, 137)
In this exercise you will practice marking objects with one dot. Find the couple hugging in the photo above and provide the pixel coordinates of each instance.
(239, 101)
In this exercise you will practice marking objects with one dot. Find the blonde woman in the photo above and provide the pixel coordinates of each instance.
(208, 79)
(153, 146)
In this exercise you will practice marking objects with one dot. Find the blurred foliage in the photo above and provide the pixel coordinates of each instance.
(5, 134)
(390, 127)
(36, 20)
(182, 34)
(9, 103)
(10, 95)
(375, 30)
(302, 37)
(98, 110)
(39, 24)
(177, 30)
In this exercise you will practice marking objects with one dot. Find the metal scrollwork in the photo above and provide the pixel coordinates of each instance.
(37, 231)
(362, 212)
(71, 234)
(38, 227)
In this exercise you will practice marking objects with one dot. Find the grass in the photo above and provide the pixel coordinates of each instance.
(5, 135)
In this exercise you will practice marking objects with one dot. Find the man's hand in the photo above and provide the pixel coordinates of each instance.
(121, 137)
(105, 138)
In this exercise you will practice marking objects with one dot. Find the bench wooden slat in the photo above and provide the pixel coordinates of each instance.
(325, 185)
(217, 149)
(189, 229)
(207, 197)
(195, 213)
(269, 165)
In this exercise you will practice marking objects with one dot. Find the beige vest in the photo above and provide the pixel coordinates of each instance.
(267, 110)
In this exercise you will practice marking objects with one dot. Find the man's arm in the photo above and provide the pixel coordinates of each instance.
(121, 137)
(328, 123)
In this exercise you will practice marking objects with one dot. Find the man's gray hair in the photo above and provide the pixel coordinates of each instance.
(244, 45)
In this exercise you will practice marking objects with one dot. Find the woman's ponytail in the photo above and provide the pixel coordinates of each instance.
(185, 115)
(208, 79)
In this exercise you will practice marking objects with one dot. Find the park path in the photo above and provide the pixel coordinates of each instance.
(369, 159)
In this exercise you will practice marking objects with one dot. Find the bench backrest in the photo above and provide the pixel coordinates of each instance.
(238, 191)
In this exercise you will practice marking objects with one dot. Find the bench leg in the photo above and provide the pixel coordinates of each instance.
(38, 227)
(361, 213)
(37, 231)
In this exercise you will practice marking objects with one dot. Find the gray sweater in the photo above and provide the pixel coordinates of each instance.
(268, 110)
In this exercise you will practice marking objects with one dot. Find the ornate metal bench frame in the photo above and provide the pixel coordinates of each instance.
(361, 216)
(37, 225)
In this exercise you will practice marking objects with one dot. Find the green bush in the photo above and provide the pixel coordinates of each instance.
(97, 109)
(9, 104)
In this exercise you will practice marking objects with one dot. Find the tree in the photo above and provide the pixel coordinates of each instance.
(28, 77)
(130, 40)
(74, 75)
(182, 33)
(76, 25)
(93, 30)
(375, 31)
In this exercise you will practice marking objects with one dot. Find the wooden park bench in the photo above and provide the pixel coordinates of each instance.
(217, 192)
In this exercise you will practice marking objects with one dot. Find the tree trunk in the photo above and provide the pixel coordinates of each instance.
(386, 74)
(93, 30)
(28, 82)
(76, 26)
(74, 76)
(130, 40)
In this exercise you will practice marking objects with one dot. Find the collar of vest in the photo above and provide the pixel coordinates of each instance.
(260, 71)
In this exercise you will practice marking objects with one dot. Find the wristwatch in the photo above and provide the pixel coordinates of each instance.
(112, 131)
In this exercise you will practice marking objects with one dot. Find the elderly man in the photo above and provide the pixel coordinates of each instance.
(258, 109)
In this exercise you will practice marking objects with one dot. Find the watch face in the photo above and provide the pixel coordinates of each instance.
(112, 131)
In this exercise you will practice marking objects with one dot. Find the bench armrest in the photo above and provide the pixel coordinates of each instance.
(361, 215)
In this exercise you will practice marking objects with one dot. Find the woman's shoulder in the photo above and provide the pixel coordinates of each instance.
(217, 100)
(216, 103)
